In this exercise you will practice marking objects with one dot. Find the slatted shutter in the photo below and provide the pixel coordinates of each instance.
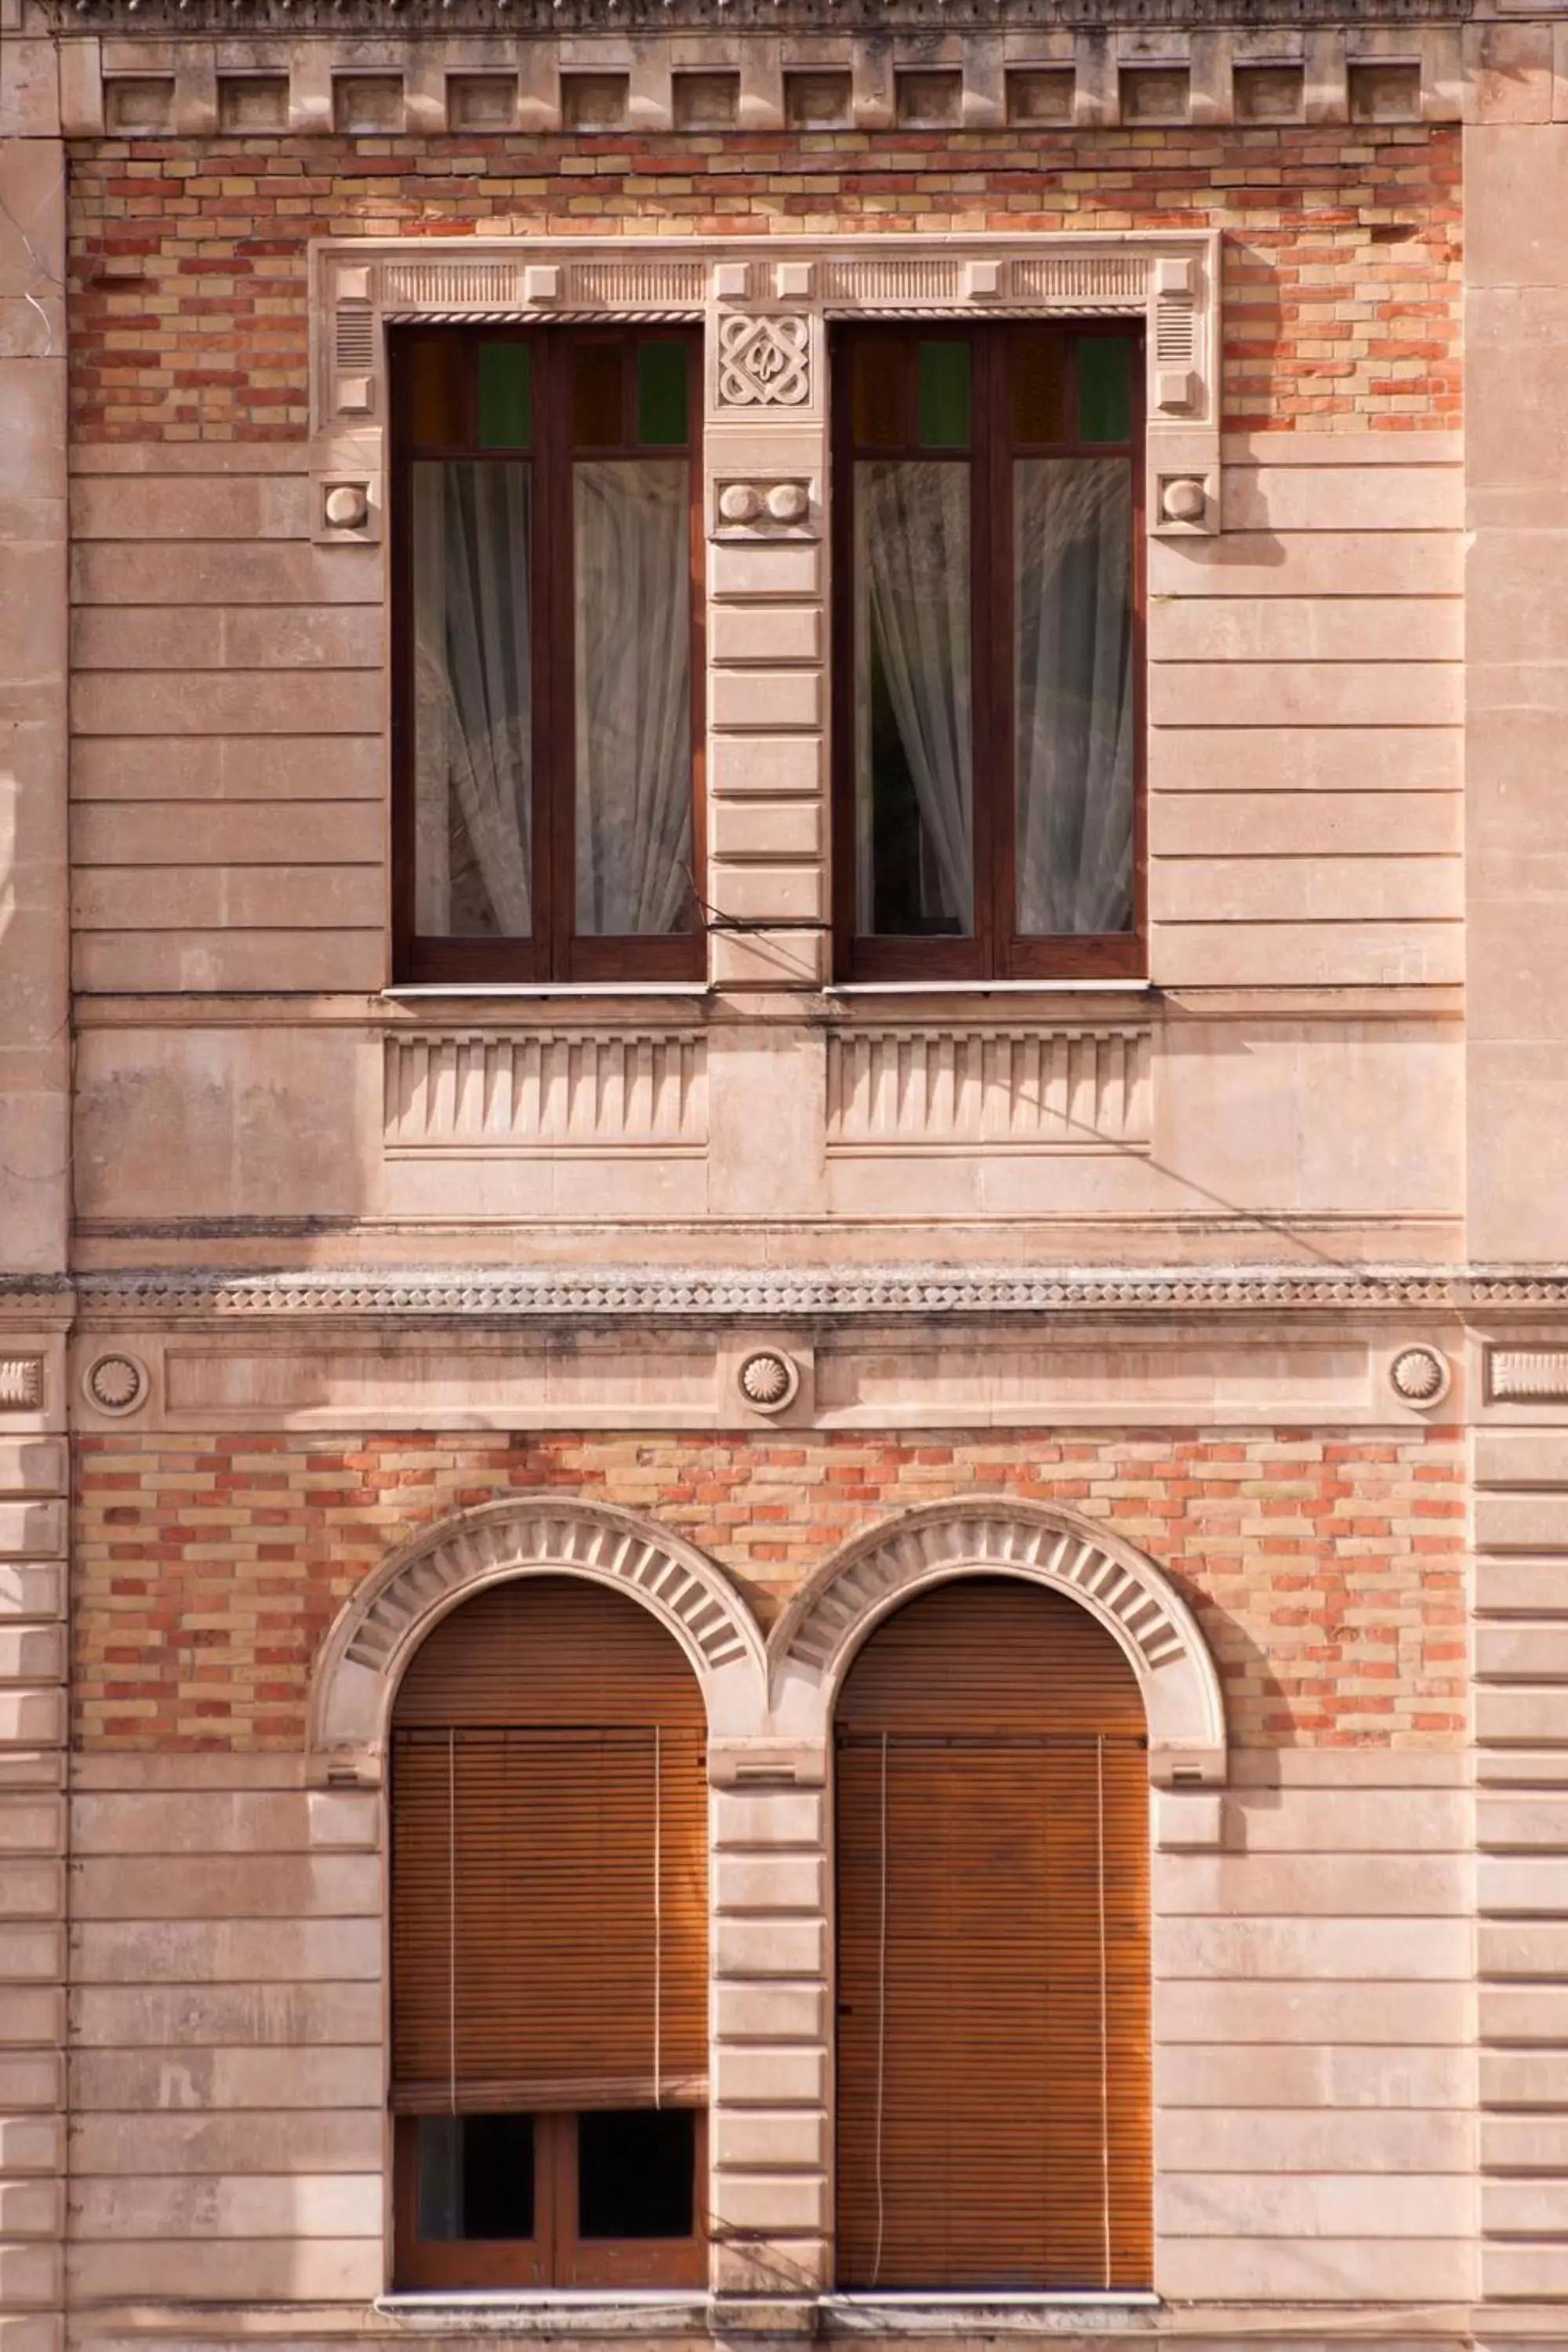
(549, 1890)
(992, 1800)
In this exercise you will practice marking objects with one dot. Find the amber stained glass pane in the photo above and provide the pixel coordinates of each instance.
(1038, 385)
(597, 420)
(436, 370)
(880, 365)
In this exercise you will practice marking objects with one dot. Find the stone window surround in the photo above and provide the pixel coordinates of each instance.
(766, 308)
(770, 1704)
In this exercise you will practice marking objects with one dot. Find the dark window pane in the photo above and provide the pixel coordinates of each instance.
(661, 394)
(597, 421)
(1104, 388)
(914, 857)
(475, 2176)
(632, 559)
(943, 377)
(438, 409)
(473, 701)
(880, 365)
(1037, 367)
(506, 396)
(637, 2173)
(1072, 539)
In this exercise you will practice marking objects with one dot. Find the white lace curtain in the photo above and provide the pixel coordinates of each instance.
(473, 726)
(1072, 539)
(634, 697)
(913, 629)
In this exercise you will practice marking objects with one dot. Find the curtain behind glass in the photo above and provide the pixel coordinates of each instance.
(1072, 537)
(633, 574)
(473, 701)
(912, 654)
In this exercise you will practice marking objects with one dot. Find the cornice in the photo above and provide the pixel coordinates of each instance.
(696, 1293)
(409, 18)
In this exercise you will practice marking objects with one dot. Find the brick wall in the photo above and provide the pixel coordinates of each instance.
(188, 296)
(1326, 1570)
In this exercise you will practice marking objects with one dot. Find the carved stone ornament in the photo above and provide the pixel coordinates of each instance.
(769, 1380)
(1419, 1376)
(764, 363)
(21, 1383)
(116, 1384)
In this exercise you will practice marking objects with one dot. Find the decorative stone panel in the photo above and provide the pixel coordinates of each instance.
(1006, 1089)
(554, 1090)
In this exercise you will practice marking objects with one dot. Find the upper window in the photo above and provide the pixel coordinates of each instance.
(548, 707)
(987, 501)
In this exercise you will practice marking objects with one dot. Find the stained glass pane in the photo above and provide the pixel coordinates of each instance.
(596, 417)
(879, 362)
(1104, 388)
(662, 395)
(436, 368)
(1037, 367)
(506, 396)
(942, 373)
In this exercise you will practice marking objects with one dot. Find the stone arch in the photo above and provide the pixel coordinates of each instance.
(381, 1624)
(1000, 1535)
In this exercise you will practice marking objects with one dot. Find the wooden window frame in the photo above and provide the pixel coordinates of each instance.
(996, 950)
(556, 2255)
(557, 951)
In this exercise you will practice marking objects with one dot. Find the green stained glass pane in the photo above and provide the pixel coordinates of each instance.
(506, 396)
(662, 395)
(1104, 388)
(942, 376)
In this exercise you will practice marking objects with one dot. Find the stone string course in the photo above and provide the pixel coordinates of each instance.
(1326, 1570)
(1341, 270)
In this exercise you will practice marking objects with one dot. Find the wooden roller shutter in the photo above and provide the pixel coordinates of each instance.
(992, 1800)
(548, 1871)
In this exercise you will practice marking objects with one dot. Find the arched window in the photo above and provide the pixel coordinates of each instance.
(549, 1945)
(992, 1804)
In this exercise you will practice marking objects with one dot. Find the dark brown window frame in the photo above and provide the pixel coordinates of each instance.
(996, 952)
(556, 2255)
(557, 951)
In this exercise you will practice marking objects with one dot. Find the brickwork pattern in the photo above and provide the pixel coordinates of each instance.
(1326, 1570)
(1342, 292)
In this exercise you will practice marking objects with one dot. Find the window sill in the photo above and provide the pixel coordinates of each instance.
(991, 988)
(970, 2314)
(424, 991)
(566, 2311)
(552, 2311)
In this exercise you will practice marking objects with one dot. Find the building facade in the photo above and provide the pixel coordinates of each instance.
(780, 1180)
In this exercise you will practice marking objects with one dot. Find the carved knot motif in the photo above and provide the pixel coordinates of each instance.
(764, 363)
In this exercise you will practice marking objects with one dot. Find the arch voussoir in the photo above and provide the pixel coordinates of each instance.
(818, 1634)
(383, 1622)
